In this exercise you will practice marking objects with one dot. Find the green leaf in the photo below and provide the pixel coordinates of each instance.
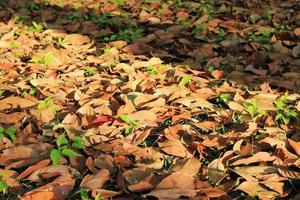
(77, 139)
(125, 118)
(84, 195)
(70, 153)
(45, 103)
(61, 140)
(185, 80)
(1, 92)
(55, 156)
(1, 132)
(128, 130)
(3, 187)
(78, 145)
(11, 132)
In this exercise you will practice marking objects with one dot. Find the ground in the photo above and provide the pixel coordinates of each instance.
(130, 99)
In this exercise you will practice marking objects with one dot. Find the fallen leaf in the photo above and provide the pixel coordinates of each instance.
(95, 181)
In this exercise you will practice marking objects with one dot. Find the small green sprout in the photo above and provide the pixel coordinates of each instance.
(47, 59)
(10, 132)
(1, 92)
(224, 98)
(3, 186)
(151, 70)
(252, 108)
(37, 27)
(185, 80)
(47, 103)
(89, 72)
(33, 6)
(284, 111)
(15, 45)
(63, 147)
(71, 16)
(131, 123)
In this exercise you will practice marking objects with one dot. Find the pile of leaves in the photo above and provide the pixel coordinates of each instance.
(149, 99)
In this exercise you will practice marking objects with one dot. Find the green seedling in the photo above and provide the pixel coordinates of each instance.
(3, 186)
(261, 37)
(206, 8)
(37, 27)
(285, 112)
(151, 70)
(47, 103)
(224, 98)
(130, 34)
(185, 80)
(1, 92)
(89, 72)
(47, 59)
(221, 34)
(252, 108)
(269, 16)
(84, 195)
(21, 17)
(131, 123)
(71, 16)
(201, 28)
(10, 132)
(119, 2)
(33, 6)
(64, 148)
(61, 41)
(15, 45)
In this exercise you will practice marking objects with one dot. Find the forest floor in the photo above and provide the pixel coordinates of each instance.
(131, 99)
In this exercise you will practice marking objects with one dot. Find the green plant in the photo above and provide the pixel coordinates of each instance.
(285, 112)
(252, 108)
(84, 195)
(1, 92)
(224, 98)
(10, 132)
(20, 17)
(221, 34)
(71, 16)
(131, 123)
(119, 2)
(15, 45)
(206, 7)
(37, 27)
(47, 59)
(152, 70)
(261, 37)
(185, 80)
(3, 186)
(269, 16)
(47, 103)
(89, 72)
(64, 148)
(33, 6)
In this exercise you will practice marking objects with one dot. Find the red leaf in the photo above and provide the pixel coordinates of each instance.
(102, 119)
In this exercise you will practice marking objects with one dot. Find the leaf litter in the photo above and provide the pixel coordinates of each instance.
(149, 99)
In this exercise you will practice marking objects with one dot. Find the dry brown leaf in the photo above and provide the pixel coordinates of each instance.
(175, 148)
(15, 102)
(256, 189)
(295, 146)
(216, 171)
(52, 170)
(31, 169)
(136, 49)
(24, 155)
(172, 193)
(258, 157)
(241, 149)
(56, 190)
(95, 181)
